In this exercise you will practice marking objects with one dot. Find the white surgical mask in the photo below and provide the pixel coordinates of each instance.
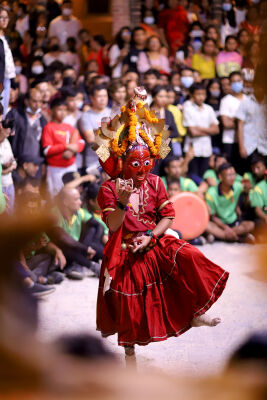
(67, 12)
(149, 20)
(79, 104)
(226, 6)
(18, 69)
(197, 44)
(187, 81)
(196, 33)
(30, 111)
(37, 69)
(215, 93)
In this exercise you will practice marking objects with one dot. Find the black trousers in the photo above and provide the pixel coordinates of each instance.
(198, 166)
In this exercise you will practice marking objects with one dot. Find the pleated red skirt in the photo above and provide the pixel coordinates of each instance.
(155, 295)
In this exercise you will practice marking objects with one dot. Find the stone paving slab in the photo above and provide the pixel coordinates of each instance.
(200, 351)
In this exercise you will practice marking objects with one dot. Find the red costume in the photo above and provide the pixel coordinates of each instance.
(155, 293)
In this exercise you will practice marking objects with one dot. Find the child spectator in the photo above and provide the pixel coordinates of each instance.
(173, 170)
(202, 123)
(223, 201)
(28, 167)
(60, 142)
(228, 60)
(258, 199)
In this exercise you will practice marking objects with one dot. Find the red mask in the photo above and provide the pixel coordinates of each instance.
(137, 165)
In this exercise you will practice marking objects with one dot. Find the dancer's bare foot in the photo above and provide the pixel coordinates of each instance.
(205, 320)
(130, 357)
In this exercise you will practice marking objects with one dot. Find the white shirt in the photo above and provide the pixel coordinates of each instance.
(10, 71)
(113, 55)
(22, 25)
(6, 155)
(229, 106)
(63, 29)
(255, 127)
(204, 116)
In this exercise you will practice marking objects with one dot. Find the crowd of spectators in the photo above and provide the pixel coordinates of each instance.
(58, 80)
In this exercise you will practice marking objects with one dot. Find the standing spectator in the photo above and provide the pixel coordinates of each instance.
(228, 109)
(229, 25)
(60, 142)
(119, 50)
(73, 113)
(214, 95)
(204, 62)
(252, 22)
(71, 55)
(228, 60)
(65, 25)
(8, 162)
(7, 67)
(152, 57)
(90, 121)
(22, 23)
(138, 43)
(187, 80)
(251, 130)
(99, 53)
(54, 52)
(29, 124)
(151, 80)
(43, 85)
(20, 78)
(201, 121)
(243, 38)
(223, 202)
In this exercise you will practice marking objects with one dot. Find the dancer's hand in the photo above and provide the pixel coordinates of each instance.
(140, 243)
(124, 189)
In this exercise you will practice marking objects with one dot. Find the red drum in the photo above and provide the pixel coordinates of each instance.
(191, 215)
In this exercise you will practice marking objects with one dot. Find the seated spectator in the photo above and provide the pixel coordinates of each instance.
(29, 123)
(258, 167)
(7, 161)
(54, 52)
(28, 167)
(78, 234)
(211, 175)
(173, 188)
(41, 258)
(71, 54)
(223, 201)
(228, 60)
(258, 200)
(151, 80)
(228, 110)
(152, 57)
(204, 62)
(119, 50)
(173, 169)
(202, 123)
(60, 142)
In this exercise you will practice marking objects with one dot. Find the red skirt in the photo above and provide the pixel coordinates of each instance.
(155, 295)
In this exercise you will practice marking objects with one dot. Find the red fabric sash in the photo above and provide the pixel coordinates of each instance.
(112, 251)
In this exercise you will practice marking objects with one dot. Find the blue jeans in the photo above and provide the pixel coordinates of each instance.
(5, 95)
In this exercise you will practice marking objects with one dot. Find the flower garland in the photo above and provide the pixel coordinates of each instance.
(120, 150)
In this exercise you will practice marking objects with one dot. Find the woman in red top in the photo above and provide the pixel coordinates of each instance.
(152, 285)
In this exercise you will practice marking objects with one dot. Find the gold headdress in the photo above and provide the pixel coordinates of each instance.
(135, 125)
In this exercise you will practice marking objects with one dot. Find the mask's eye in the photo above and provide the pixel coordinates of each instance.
(135, 164)
(147, 163)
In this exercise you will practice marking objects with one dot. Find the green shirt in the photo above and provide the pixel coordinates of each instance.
(224, 206)
(2, 197)
(73, 227)
(186, 184)
(258, 196)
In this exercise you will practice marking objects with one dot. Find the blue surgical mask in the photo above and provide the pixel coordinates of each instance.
(226, 6)
(187, 81)
(215, 93)
(237, 87)
(197, 44)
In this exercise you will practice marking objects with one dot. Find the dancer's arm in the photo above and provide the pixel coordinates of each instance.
(116, 217)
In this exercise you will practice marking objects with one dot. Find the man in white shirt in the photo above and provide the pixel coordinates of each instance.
(252, 127)
(90, 121)
(201, 121)
(228, 108)
(66, 25)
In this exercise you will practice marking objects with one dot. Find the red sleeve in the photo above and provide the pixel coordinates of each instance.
(107, 199)
(164, 205)
(76, 138)
(49, 147)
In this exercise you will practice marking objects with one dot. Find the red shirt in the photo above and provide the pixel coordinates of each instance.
(55, 137)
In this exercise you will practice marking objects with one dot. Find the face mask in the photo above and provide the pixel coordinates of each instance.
(215, 93)
(196, 33)
(80, 104)
(18, 69)
(38, 54)
(187, 81)
(226, 6)
(237, 87)
(67, 12)
(37, 69)
(125, 34)
(30, 111)
(55, 47)
(149, 20)
(197, 44)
